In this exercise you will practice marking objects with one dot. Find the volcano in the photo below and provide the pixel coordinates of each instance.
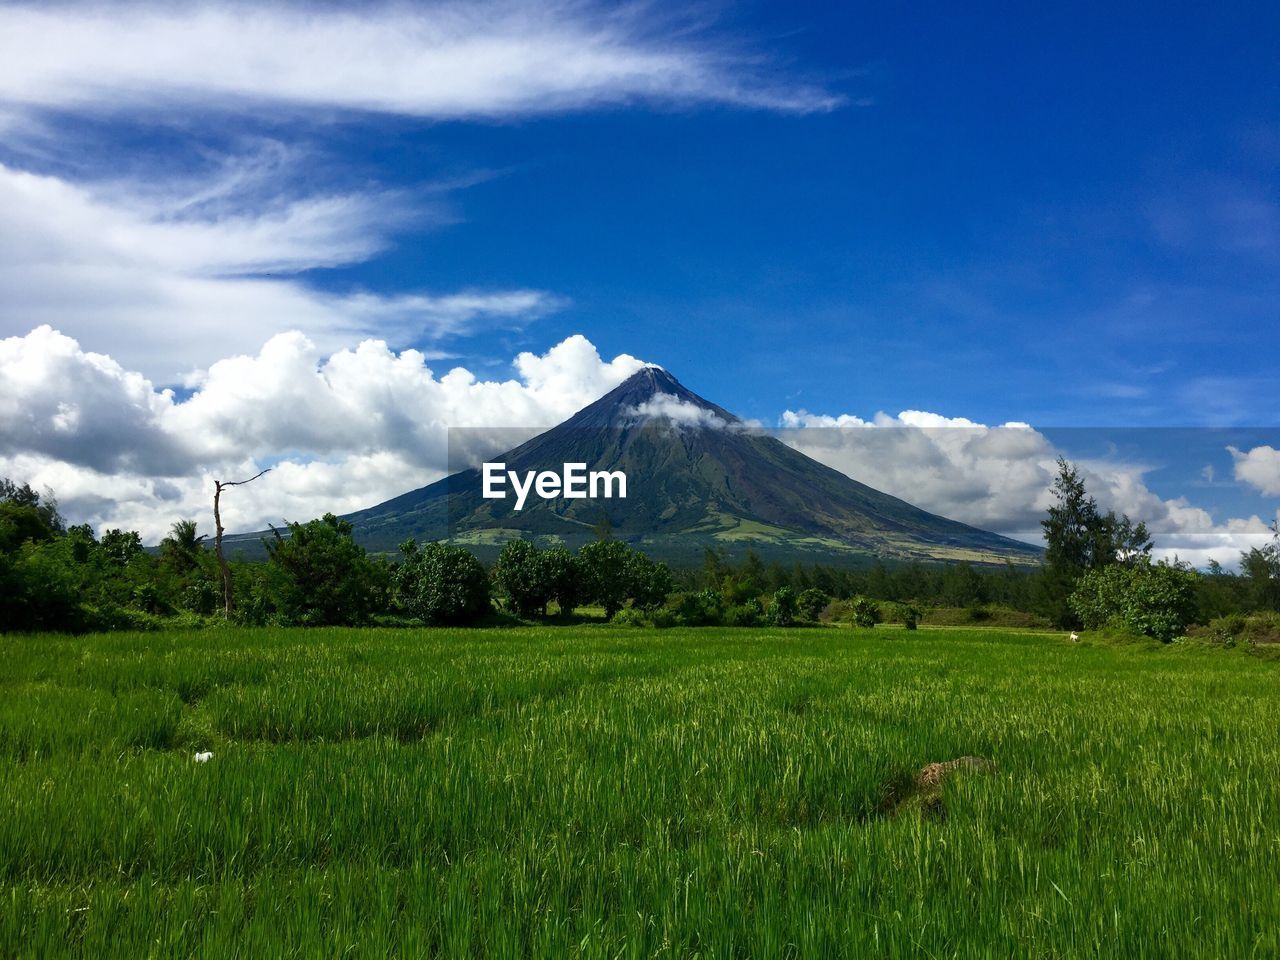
(697, 477)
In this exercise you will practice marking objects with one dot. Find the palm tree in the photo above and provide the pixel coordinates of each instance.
(181, 549)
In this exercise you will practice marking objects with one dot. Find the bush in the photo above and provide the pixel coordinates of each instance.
(989, 615)
(39, 591)
(662, 618)
(630, 617)
(746, 614)
(866, 612)
(109, 616)
(702, 609)
(441, 584)
(784, 608)
(906, 614)
(202, 597)
(811, 603)
(1154, 599)
(1250, 631)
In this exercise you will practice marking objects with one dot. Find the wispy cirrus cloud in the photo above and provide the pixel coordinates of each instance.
(437, 60)
(172, 265)
(171, 276)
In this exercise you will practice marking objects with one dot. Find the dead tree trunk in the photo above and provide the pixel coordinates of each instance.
(227, 599)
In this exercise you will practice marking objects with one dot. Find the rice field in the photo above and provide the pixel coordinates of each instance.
(614, 793)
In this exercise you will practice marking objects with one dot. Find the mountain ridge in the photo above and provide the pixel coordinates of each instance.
(698, 476)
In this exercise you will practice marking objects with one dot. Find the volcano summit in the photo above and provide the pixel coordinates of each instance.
(697, 476)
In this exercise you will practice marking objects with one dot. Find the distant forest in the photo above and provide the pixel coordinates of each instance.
(1097, 574)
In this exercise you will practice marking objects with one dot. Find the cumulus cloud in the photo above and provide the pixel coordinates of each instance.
(343, 430)
(167, 277)
(1000, 478)
(437, 60)
(1259, 467)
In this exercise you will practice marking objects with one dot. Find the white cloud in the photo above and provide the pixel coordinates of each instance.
(1259, 468)
(681, 413)
(343, 431)
(999, 478)
(167, 277)
(437, 60)
(166, 271)
(353, 427)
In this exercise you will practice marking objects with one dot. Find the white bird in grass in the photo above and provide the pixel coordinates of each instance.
(204, 757)
(1075, 637)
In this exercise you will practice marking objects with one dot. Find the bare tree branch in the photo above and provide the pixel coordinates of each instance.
(218, 486)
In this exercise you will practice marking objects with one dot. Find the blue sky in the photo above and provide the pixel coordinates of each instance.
(1069, 218)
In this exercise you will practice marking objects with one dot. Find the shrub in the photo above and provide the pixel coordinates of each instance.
(662, 618)
(811, 603)
(321, 576)
(784, 608)
(1251, 630)
(109, 616)
(746, 614)
(866, 612)
(630, 617)
(702, 609)
(906, 614)
(1154, 599)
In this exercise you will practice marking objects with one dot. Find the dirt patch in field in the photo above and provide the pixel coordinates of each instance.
(922, 790)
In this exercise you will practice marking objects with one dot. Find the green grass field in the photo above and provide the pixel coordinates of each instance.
(607, 792)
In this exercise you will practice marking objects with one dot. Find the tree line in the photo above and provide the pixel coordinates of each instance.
(1097, 572)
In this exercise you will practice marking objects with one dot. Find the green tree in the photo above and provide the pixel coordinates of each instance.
(866, 612)
(564, 579)
(119, 547)
(648, 583)
(441, 584)
(321, 576)
(182, 548)
(605, 567)
(962, 586)
(26, 516)
(906, 614)
(522, 579)
(785, 607)
(1079, 538)
(811, 603)
(1260, 569)
(40, 589)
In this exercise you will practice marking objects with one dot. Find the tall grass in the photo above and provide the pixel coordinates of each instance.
(618, 793)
